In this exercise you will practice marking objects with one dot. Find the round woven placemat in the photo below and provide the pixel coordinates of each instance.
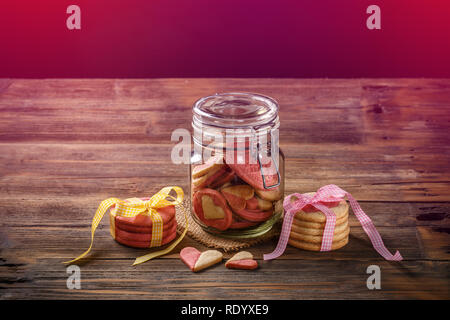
(197, 233)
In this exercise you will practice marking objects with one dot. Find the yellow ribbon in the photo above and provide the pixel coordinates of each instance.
(136, 207)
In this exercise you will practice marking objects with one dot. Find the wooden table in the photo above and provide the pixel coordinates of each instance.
(65, 145)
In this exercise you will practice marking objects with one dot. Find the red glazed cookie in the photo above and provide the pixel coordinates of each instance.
(125, 235)
(226, 177)
(254, 215)
(238, 195)
(166, 213)
(143, 244)
(257, 203)
(211, 177)
(250, 172)
(197, 260)
(248, 264)
(212, 209)
(189, 256)
(137, 229)
(213, 173)
(242, 260)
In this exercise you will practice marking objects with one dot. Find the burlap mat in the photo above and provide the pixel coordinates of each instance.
(211, 241)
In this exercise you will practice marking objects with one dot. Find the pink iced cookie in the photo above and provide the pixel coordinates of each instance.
(247, 264)
(242, 260)
(250, 172)
(189, 256)
(197, 260)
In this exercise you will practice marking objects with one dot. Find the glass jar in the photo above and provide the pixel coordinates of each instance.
(236, 167)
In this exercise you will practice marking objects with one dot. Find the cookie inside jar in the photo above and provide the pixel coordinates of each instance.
(236, 169)
(234, 197)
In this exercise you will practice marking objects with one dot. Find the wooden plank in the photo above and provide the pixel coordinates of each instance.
(149, 110)
(399, 163)
(66, 245)
(66, 221)
(435, 241)
(369, 172)
(279, 279)
(4, 84)
(76, 210)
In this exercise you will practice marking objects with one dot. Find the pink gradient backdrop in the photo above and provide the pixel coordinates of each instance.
(218, 38)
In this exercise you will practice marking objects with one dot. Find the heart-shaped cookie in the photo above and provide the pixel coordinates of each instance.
(138, 229)
(197, 260)
(143, 244)
(269, 195)
(254, 215)
(256, 203)
(226, 177)
(136, 236)
(212, 209)
(250, 171)
(144, 221)
(211, 165)
(238, 195)
(242, 260)
(209, 178)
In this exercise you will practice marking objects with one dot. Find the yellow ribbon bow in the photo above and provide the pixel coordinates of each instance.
(136, 207)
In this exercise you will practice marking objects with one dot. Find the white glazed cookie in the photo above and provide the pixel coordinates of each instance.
(207, 259)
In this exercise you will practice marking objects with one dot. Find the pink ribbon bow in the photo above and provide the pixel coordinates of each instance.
(327, 195)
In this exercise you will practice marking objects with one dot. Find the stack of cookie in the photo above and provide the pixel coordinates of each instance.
(308, 225)
(231, 194)
(137, 231)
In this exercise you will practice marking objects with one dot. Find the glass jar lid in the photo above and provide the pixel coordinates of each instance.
(235, 110)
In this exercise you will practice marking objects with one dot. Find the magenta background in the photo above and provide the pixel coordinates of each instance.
(232, 38)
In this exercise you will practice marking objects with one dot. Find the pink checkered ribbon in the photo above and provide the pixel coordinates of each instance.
(327, 195)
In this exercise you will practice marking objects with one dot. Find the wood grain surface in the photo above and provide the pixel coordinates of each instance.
(65, 145)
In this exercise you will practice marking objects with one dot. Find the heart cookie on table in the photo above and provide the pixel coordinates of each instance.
(242, 260)
(197, 260)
